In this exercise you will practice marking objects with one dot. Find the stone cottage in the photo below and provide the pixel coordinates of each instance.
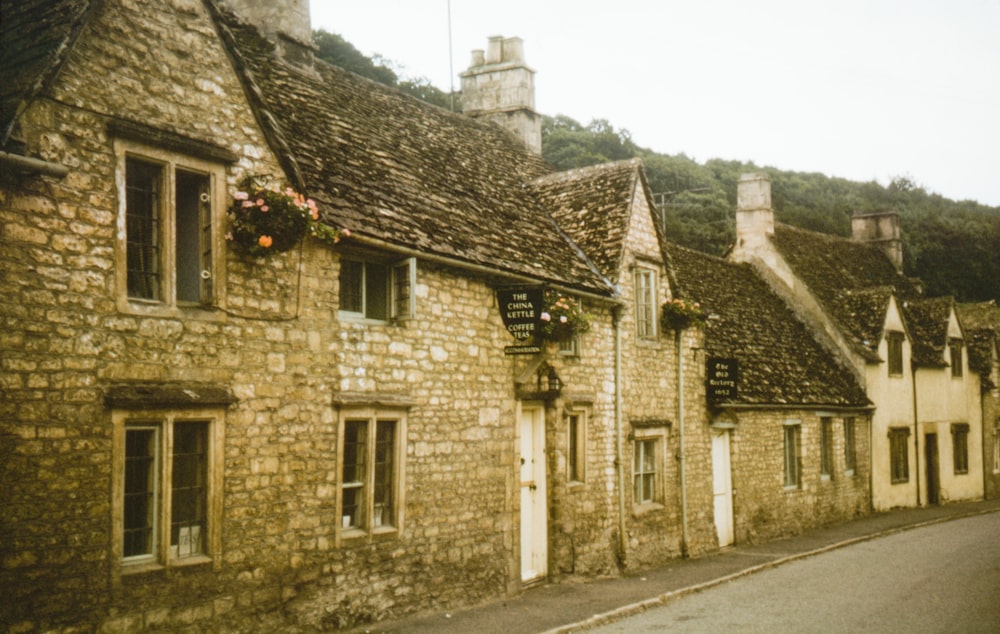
(981, 325)
(788, 421)
(204, 428)
(907, 351)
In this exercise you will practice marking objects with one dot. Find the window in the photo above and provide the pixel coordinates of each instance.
(645, 302)
(576, 450)
(793, 460)
(169, 484)
(960, 447)
(850, 447)
(955, 350)
(899, 455)
(826, 447)
(996, 447)
(377, 290)
(371, 472)
(644, 471)
(895, 340)
(169, 255)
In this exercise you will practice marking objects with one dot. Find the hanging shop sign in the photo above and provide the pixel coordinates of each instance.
(721, 379)
(520, 309)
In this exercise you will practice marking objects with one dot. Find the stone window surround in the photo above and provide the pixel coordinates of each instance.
(646, 325)
(373, 407)
(135, 142)
(899, 454)
(163, 418)
(656, 430)
(401, 282)
(576, 446)
(895, 352)
(960, 448)
(792, 454)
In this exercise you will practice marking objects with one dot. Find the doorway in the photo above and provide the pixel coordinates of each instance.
(722, 486)
(534, 507)
(933, 472)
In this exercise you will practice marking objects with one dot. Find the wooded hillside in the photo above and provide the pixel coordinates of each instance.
(953, 246)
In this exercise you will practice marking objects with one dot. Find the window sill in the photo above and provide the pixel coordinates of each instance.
(145, 567)
(138, 307)
(576, 485)
(792, 488)
(646, 508)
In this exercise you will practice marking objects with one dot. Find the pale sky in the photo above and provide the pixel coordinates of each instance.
(851, 88)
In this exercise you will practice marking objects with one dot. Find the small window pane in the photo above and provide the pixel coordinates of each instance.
(826, 446)
(193, 250)
(376, 291)
(190, 476)
(352, 286)
(139, 505)
(850, 450)
(792, 464)
(143, 183)
(645, 471)
(384, 465)
(353, 473)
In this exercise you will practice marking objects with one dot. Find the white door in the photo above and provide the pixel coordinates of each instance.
(534, 528)
(722, 486)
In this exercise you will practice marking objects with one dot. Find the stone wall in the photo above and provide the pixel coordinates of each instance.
(763, 507)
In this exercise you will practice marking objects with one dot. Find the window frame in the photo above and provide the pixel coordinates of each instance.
(956, 357)
(850, 445)
(400, 288)
(366, 525)
(646, 283)
(826, 447)
(996, 447)
(792, 454)
(576, 446)
(960, 448)
(895, 341)
(899, 454)
(164, 422)
(654, 442)
(172, 166)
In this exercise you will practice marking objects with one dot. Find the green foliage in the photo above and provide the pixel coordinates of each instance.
(336, 50)
(954, 247)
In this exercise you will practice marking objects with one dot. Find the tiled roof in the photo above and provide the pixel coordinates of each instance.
(928, 323)
(34, 35)
(393, 168)
(851, 279)
(780, 362)
(592, 205)
(981, 324)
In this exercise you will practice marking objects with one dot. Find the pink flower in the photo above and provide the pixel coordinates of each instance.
(241, 196)
(563, 319)
(229, 235)
(247, 203)
(260, 201)
(545, 317)
(346, 233)
(264, 208)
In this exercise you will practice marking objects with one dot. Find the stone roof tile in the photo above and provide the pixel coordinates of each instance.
(34, 36)
(927, 320)
(780, 362)
(393, 168)
(592, 204)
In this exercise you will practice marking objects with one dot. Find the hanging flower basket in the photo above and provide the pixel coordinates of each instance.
(265, 221)
(679, 314)
(562, 318)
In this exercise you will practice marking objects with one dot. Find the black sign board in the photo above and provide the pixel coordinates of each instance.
(721, 379)
(520, 309)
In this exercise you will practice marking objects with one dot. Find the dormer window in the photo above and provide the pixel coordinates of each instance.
(645, 302)
(955, 350)
(895, 341)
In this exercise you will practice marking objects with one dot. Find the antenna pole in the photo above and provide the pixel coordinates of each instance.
(451, 63)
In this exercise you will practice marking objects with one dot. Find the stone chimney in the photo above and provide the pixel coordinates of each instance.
(882, 229)
(499, 86)
(289, 18)
(754, 215)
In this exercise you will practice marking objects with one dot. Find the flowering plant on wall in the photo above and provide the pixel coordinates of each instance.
(563, 317)
(265, 221)
(678, 314)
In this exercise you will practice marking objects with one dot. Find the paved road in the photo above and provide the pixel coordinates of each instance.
(939, 578)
